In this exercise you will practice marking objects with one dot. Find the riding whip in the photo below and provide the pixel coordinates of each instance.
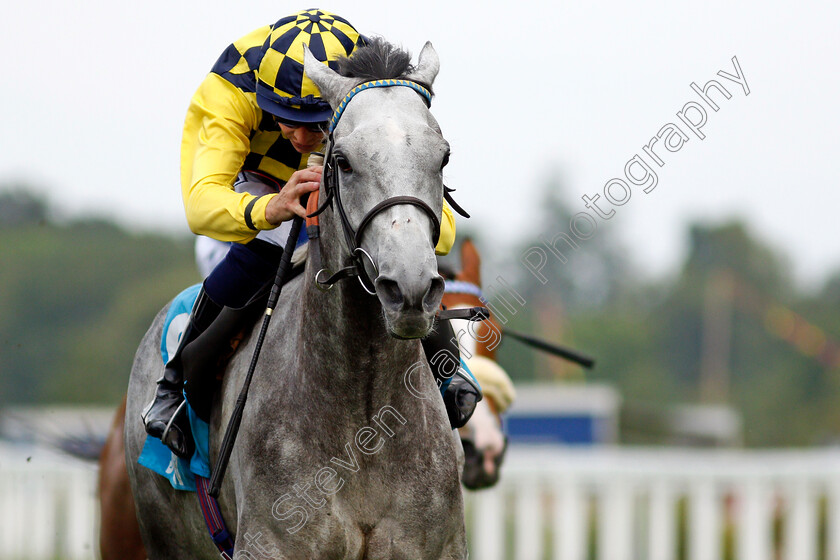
(236, 417)
(552, 348)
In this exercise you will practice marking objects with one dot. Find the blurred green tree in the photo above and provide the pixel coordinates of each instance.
(76, 299)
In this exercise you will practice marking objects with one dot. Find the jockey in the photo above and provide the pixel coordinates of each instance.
(248, 133)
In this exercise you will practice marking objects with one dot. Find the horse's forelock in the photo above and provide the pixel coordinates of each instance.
(378, 60)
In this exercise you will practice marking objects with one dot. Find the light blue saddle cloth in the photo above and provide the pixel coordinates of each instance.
(155, 455)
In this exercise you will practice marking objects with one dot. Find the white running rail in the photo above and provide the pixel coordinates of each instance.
(630, 503)
(48, 507)
(552, 504)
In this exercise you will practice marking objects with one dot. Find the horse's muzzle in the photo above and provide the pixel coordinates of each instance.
(410, 305)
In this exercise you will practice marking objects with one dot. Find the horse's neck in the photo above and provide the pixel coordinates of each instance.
(346, 344)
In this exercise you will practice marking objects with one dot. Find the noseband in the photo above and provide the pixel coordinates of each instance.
(332, 187)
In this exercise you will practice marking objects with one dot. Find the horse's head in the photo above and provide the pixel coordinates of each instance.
(387, 146)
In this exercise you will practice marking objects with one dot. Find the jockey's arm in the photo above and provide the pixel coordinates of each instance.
(216, 141)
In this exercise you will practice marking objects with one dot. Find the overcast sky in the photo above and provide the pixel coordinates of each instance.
(94, 95)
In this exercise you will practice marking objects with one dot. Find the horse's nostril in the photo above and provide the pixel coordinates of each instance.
(435, 293)
(389, 292)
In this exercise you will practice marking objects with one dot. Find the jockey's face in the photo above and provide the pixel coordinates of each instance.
(305, 137)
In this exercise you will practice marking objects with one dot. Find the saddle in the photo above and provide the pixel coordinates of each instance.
(207, 355)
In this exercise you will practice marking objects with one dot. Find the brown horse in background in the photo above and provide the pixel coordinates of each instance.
(119, 533)
(483, 439)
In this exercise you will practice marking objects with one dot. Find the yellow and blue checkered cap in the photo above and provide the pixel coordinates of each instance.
(283, 88)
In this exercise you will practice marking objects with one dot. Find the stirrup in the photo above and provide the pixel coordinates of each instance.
(163, 436)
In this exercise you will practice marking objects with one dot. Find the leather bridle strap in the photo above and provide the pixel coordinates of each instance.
(477, 313)
(393, 201)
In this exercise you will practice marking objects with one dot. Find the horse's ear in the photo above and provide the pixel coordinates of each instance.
(332, 85)
(470, 262)
(428, 65)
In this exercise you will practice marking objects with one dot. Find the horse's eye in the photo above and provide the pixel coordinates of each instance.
(445, 161)
(343, 164)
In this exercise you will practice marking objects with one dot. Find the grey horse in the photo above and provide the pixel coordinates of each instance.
(345, 449)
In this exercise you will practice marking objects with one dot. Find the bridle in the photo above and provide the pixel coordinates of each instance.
(361, 264)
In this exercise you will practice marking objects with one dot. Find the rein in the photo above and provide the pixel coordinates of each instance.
(236, 417)
(469, 288)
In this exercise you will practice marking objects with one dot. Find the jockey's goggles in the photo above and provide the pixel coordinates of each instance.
(321, 126)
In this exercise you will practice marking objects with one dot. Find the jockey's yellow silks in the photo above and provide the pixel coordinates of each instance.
(225, 132)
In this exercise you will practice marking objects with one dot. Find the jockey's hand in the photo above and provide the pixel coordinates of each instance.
(286, 205)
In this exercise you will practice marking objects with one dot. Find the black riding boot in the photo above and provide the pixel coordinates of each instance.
(165, 417)
(205, 359)
(443, 354)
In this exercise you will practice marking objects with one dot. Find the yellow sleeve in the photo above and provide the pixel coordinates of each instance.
(215, 142)
(447, 231)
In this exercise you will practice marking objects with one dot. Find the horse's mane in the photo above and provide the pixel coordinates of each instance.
(377, 59)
